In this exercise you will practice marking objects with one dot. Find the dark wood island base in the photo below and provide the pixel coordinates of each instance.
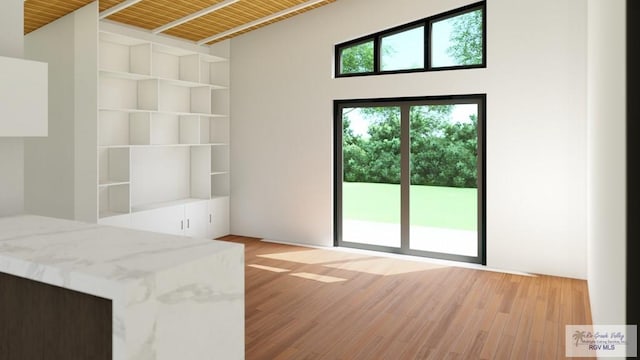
(42, 321)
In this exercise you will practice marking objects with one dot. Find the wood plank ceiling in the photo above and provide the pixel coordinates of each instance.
(218, 20)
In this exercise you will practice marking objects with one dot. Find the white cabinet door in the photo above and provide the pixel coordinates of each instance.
(168, 220)
(218, 217)
(196, 219)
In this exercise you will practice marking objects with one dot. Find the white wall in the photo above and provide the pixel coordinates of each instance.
(607, 161)
(11, 149)
(11, 28)
(48, 182)
(60, 170)
(282, 93)
(85, 113)
(11, 176)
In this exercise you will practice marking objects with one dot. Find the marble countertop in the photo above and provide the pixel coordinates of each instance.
(111, 253)
(138, 271)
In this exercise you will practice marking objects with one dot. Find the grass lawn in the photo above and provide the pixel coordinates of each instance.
(433, 206)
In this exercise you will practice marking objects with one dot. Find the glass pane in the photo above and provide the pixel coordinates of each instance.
(443, 169)
(403, 51)
(357, 58)
(457, 40)
(371, 175)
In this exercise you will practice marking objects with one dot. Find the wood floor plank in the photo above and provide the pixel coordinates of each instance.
(493, 336)
(388, 308)
(461, 344)
(505, 346)
(522, 338)
(550, 342)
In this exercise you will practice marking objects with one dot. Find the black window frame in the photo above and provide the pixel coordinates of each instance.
(351, 44)
(426, 23)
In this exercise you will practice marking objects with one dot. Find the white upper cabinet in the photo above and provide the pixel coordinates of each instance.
(24, 104)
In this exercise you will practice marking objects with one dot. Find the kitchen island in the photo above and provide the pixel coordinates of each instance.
(169, 297)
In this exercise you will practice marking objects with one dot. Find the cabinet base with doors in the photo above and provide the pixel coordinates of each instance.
(163, 135)
(189, 217)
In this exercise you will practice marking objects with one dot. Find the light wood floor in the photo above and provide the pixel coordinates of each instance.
(306, 303)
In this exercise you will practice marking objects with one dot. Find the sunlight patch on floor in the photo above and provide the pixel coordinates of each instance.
(385, 266)
(268, 268)
(316, 277)
(370, 254)
(312, 256)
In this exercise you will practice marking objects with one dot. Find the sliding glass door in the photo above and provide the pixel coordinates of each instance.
(409, 176)
(370, 187)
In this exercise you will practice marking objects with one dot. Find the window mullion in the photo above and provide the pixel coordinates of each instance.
(427, 51)
(377, 42)
(405, 175)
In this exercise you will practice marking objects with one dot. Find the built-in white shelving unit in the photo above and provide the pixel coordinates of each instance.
(163, 137)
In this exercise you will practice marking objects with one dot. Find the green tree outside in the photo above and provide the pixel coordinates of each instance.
(357, 59)
(466, 38)
(442, 153)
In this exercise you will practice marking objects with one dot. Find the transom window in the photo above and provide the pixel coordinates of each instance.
(452, 40)
(402, 50)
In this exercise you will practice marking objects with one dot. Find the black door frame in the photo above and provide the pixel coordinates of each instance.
(404, 103)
